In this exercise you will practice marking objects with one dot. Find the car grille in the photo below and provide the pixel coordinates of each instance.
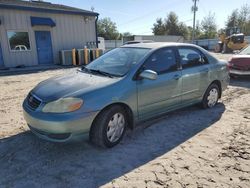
(33, 102)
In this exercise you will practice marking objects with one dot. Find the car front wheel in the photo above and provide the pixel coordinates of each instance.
(211, 96)
(109, 127)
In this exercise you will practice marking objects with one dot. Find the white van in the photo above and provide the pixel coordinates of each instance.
(101, 43)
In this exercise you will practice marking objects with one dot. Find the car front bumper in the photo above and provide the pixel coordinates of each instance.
(239, 72)
(59, 127)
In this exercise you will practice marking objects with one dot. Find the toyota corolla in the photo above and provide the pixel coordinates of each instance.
(121, 88)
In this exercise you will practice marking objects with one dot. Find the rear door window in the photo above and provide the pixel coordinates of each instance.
(190, 57)
(162, 61)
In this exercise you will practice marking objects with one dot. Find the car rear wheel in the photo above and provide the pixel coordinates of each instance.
(211, 96)
(109, 127)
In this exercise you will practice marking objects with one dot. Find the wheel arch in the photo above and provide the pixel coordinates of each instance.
(127, 109)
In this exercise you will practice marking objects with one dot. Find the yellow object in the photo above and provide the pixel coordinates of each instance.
(74, 56)
(227, 41)
(86, 56)
(236, 46)
(75, 106)
(93, 54)
(97, 53)
(222, 37)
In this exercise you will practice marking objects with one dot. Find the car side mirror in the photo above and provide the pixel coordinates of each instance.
(148, 74)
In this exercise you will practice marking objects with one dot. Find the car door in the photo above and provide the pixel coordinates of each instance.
(195, 73)
(156, 96)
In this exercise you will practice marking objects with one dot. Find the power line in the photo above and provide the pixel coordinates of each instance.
(145, 15)
(187, 20)
(136, 29)
(114, 12)
(202, 7)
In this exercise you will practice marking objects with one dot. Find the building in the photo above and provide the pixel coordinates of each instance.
(33, 32)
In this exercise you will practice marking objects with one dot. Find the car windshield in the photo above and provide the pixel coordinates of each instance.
(117, 62)
(245, 51)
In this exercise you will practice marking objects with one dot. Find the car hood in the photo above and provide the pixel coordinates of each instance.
(70, 84)
(241, 56)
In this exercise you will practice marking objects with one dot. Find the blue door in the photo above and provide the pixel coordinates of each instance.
(44, 47)
(1, 57)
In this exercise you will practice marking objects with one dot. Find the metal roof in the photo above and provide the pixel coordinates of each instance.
(42, 6)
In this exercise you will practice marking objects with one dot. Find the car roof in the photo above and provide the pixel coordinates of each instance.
(155, 45)
(138, 41)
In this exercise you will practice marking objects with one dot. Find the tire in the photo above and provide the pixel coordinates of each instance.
(106, 132)
(211, 96)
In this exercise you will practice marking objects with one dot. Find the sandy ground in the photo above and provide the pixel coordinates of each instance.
(186, 148)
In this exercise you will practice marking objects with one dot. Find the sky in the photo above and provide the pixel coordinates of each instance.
(138, 16)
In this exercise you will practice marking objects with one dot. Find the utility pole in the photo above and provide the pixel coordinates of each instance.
(194, 9)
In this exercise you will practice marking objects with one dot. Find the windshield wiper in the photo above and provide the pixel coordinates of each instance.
(99, 72)
(102, 73)
(85, 69)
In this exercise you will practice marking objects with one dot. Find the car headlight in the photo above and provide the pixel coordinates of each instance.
(63, 105)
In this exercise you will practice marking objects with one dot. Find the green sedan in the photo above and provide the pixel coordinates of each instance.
(123, 87)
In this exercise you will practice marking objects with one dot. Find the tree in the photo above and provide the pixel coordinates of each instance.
(198, 32)
(159, 27)
(183, 30)
(170, 26)
(244, 19)
(232, 20)
(240, 18)
(107, 29)
(208, 26)
(126, 34)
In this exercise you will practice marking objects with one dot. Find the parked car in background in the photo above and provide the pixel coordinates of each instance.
(20, 48)
(138, 41)
(239, 64)
(126, 85)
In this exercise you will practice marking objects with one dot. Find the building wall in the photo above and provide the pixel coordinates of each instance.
(111, 44)
(71, 31)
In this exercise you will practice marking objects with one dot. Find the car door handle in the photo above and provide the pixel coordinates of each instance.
(177, 77)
